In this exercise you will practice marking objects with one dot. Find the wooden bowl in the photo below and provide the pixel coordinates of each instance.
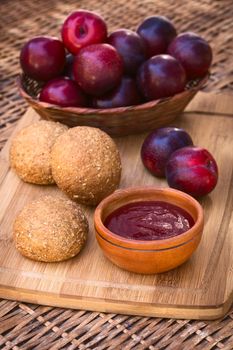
(115, 121)
(155, 256)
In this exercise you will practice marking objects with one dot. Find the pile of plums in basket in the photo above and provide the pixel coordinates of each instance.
(90, 67)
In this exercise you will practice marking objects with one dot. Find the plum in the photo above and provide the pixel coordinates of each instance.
(131, 48)
(159, 145)
(43, 58)
(83, 28)
(193, 52)
(157, 33)
(68, 70)
(192, 170)
(125, 94)
(98, 68)
(161, 76)
(63, 92)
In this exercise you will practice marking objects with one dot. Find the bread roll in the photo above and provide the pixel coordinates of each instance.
(50, 229)
(30, 151)
(86, 164)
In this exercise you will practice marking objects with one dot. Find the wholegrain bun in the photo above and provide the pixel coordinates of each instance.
(30, 151)
(86, 164)
(50, 229)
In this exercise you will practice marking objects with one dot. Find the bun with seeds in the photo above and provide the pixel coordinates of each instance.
(50, 229)
(86, 164)
(30, 151)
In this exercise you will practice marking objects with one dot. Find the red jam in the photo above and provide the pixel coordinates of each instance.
(149, 220)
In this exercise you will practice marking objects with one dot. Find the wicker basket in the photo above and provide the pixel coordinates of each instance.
(119, 121)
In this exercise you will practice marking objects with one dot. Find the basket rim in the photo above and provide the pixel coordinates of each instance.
(115, 110)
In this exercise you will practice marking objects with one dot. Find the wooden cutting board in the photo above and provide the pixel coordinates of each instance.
(200, 289)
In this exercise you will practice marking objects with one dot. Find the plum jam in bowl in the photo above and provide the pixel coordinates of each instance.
(147, 229)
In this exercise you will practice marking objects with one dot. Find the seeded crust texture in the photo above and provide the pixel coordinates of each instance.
(86, 164)
(50, 229)
(30, 151)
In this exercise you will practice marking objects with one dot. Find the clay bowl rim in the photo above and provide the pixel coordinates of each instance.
(142, 193)
(117, 110)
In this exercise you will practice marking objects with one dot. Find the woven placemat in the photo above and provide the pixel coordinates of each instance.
(24, 326)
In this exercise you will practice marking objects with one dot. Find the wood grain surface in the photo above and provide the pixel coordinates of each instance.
(200, 289)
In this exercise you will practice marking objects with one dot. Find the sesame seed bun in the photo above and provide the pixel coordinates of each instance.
(50, 229)
(30, 151)
(86, 164)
